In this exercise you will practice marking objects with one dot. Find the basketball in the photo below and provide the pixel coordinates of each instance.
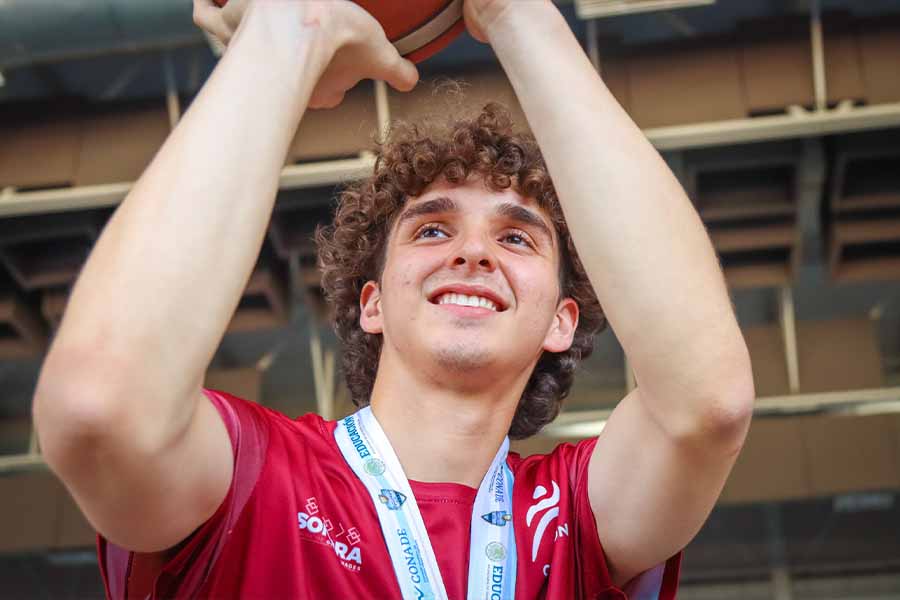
(417, 29)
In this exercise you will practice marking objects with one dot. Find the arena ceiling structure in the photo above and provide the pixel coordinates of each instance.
(780, 117)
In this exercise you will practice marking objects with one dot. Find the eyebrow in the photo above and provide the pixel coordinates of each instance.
(443, 204)
(434, 206)
(524, 216)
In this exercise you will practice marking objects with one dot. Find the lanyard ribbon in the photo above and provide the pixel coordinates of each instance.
(492, 552)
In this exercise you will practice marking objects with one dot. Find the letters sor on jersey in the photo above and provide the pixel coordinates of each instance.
(317, 529)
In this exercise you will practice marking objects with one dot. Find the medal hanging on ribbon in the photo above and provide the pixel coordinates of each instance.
(492, 553)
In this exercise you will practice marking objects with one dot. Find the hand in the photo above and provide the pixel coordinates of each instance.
(354, 44)
(480, 15)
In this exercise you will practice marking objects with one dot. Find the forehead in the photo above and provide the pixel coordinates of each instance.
(473, 190)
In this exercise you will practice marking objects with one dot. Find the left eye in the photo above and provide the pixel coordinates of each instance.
(515, 238)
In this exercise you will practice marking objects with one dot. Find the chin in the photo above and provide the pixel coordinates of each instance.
(463, 361)
(459, 353)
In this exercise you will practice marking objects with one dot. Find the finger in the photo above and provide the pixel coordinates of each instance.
(208, 17)
(399, 73)
(407, 76)
(233, 12)
(204, 13)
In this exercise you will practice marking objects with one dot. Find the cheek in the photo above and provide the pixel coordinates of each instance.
(408, 276)
(402, 280)
(413, 266)
(540, 288)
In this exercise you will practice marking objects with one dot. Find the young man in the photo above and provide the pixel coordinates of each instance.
(452, 267)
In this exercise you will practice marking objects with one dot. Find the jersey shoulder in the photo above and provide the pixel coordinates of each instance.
(270, 431)
(567, 462)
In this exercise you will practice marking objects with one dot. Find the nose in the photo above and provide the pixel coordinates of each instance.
(474, 252)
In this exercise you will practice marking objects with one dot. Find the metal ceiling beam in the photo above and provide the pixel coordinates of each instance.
(588, 423)
(14, 203)
(382, 108)
(323, 373)
(777, 127)
(324, 173)
(810, 186)
(782, 586)
(789, 334)
(818, 54)
(173, 102)
(593, 9)
(22, 462)
(630, 379)
(123, 80)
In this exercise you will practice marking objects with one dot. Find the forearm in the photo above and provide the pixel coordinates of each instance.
(641, 241)
(167, 273)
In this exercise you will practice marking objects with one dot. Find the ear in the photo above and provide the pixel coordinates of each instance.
(370, 319)
(562, 329)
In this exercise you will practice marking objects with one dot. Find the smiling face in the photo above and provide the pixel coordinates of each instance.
(470, 284)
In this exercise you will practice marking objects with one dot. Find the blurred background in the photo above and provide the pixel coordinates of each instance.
(780, 117)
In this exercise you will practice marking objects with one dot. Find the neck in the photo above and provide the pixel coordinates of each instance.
(442, 434)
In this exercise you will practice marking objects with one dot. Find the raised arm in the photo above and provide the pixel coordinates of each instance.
(118, 407)
(666, 451)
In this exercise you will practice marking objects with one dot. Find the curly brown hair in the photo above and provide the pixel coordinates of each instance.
(352, 250)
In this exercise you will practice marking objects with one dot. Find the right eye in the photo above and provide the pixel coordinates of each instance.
(431, 231)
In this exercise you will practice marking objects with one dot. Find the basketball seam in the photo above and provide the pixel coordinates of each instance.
(404, 40)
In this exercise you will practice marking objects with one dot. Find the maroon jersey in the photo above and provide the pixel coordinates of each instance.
(298, 523)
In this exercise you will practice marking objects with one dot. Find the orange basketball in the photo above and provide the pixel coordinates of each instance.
(417, 29)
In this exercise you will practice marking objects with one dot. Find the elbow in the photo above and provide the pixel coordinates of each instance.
(724, 418)
(73, 410)
(725, 421)
(69, 426)
(716, 417)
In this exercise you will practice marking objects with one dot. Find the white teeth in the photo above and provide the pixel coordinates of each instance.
(464, 300)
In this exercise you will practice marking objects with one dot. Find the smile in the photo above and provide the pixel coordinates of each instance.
(464, 300)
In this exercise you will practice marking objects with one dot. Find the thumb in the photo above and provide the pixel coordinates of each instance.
(208, 17)
(400, 73)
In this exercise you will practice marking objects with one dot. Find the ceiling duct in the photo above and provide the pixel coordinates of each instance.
(42, 31)
(593, 9)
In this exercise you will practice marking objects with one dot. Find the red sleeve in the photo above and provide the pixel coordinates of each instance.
(185, 572)
(658, 583)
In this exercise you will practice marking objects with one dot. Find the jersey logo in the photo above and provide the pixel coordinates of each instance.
(498, 517)
(551, 505)
(316, 527)
(392, 499)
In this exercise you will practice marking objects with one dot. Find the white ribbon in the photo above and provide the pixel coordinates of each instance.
(492, 552)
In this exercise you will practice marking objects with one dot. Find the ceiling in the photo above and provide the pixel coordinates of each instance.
(112, 50)
(106, 50)
(99, 51)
